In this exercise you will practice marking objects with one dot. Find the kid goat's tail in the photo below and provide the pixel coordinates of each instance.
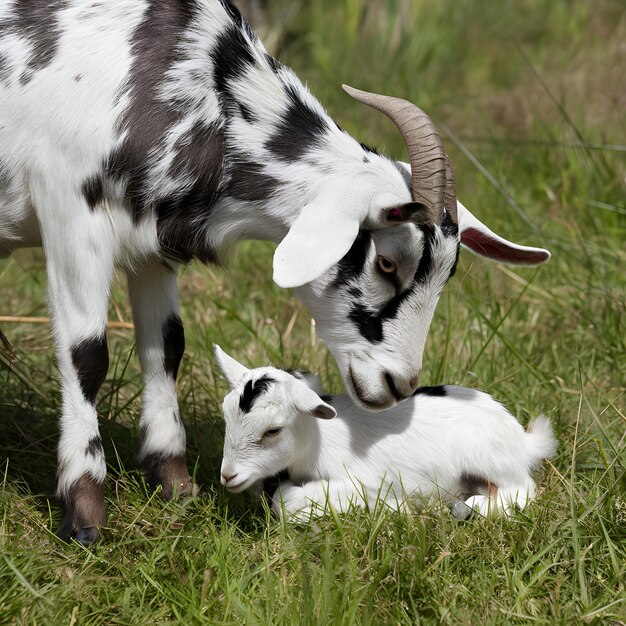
(540, 440)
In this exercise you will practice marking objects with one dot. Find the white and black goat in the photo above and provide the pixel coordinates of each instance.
(141, 134)
(449, 442)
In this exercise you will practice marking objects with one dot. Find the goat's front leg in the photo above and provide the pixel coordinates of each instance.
(301, 503)
(160, 343)
(79, 262)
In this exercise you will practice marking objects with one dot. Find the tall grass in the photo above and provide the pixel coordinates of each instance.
(529, 98)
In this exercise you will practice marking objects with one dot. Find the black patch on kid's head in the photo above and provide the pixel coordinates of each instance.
(248, 182)
(300, 129)
(252, 390)
(38, 23)
(173, 344)
(90, 358)
(438, 391)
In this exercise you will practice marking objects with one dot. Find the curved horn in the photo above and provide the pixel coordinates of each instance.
(450, 193)
(426, 154)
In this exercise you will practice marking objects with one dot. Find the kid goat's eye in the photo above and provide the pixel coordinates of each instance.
(272, 431)
(385, 265)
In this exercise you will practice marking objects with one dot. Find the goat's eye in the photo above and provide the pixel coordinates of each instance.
(385, 265)
(272, 431)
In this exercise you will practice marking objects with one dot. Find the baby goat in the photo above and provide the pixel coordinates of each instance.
(452, 442)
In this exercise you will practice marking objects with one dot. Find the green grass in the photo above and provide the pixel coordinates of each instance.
(530, 100)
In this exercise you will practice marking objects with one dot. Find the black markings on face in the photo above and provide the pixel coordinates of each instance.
(173, 345)
(438, 391)
(93, 191)
(352, 264)
(199, 158)
(38, 23)
(248, 182)
(94, 447)
(301, 129)
(252, 390)
(90, 358)
(426, 261)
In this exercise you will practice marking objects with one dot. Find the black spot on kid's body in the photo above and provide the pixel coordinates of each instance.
(300, 130)
(90, 358)
(252, 390)
(173, 345)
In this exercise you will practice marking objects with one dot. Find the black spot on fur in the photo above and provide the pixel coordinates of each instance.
(154, 46)
(438, 391)
(232, 57)
(94, 447)
(369, 324)
(248, 182)
(426, 262)
(78, 78)
(233, 12)
(472, 485)
(246, 113)
(173, 344)
(252, 390)
(91, 362)
(38, 22)
(93, 191)
(448, 227)
(351, 265)
(274, 64)
(199, 158)
(300, 129)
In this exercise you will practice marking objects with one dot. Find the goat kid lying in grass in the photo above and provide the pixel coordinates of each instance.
(452, 442)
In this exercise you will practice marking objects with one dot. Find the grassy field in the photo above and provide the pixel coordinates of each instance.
(530, 100)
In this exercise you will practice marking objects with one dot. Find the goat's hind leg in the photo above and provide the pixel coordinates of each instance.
(160, 344)
(79, 258)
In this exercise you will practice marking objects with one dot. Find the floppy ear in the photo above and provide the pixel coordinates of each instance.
(232, 370)
(307, 401)
(320, 237)
(481, 240)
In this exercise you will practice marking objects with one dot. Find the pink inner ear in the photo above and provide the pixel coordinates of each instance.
(487, 246)
(394, 214)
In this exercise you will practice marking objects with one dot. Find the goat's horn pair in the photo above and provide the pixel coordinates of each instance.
(432, 178)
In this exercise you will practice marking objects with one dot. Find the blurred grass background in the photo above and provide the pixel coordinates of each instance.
(530, 100)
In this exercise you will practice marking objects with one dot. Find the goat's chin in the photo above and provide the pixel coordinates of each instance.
(365, 394)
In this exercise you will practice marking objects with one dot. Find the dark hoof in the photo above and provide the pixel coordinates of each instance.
(170, 473)
(85, 512)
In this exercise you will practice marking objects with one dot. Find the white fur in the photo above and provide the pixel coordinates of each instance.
(424, 447)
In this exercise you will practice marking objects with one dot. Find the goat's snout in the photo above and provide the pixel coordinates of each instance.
(400, 387)
(228, 476)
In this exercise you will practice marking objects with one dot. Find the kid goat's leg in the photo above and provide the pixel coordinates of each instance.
(160, 343)
(79, 259)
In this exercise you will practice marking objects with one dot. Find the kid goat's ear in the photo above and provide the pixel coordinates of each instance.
(307, 401)
(232, 370)
(484, 242)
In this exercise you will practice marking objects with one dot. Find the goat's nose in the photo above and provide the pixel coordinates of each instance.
(228, 477)
(399, 387)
